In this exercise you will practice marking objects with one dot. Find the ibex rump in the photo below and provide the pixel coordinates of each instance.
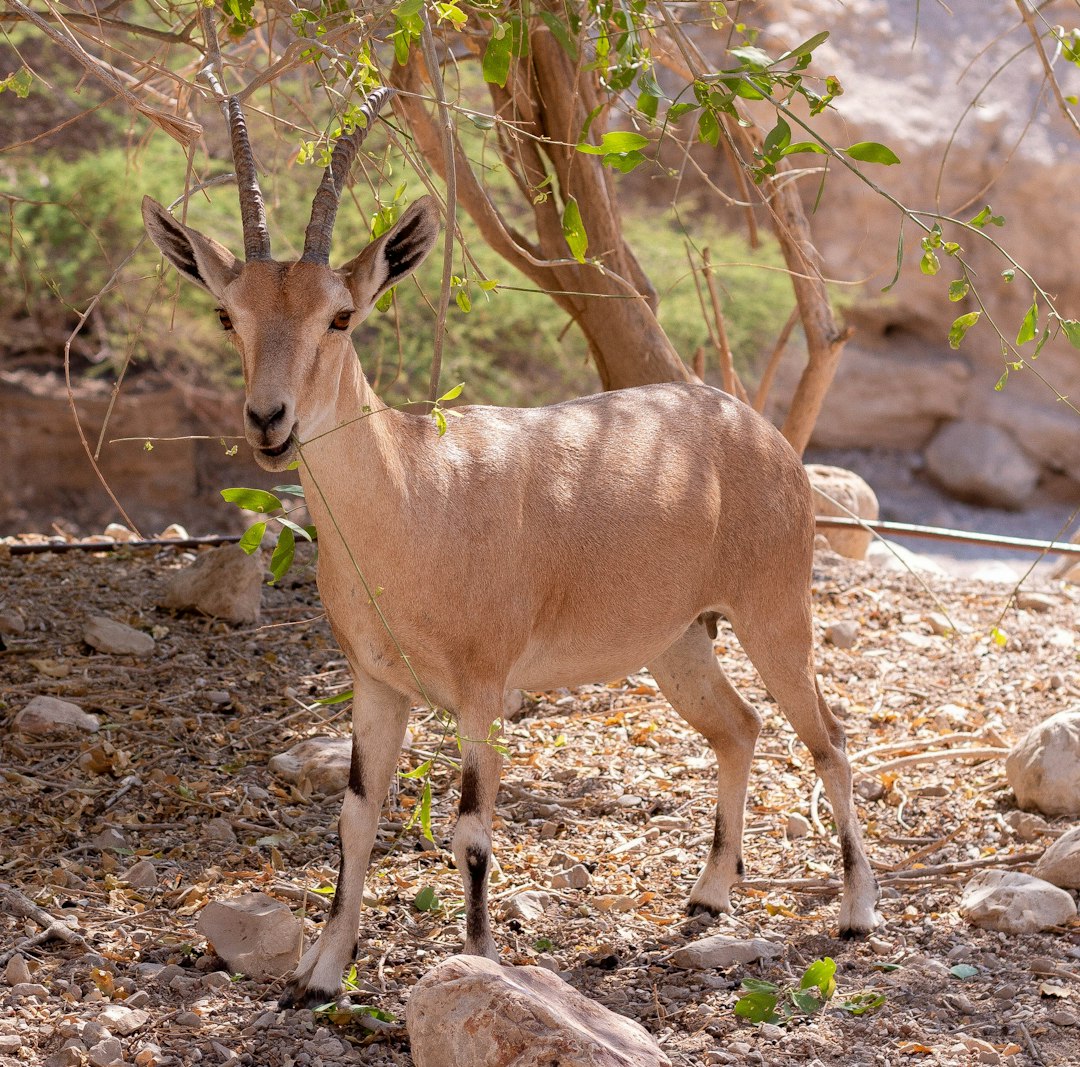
(527, 548)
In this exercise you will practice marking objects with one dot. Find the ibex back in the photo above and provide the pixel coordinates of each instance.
(524, 549)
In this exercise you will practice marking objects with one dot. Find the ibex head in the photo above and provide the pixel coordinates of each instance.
(292, 321)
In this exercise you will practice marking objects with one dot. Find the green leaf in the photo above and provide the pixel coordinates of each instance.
(561, 34)
(1008, 274)
(759, 985)
(615, 141)
(480, 121)
(753, 57)
(820, 975)
(282, 559)
(463, 301)
(676, 110)
(708, 128)
(440, 421)
(963, 971)
(1001, 382)
(757, 1007)
(425, 810)
(986, 216)
(999, 637)
(777, 139)
(252, 538)
(899, 262)
(451, 394)
(291, 490)
(337, 698)
(409, 7)
(298, 530)
(1071, 328)
(961, 326)
(426, 900)
(929, 264)
(419, 771)
(496, 65)
(807, 1002)
(804, 146)
(253, 500)
(574, 230)
(807, 47)
(872, 152)
(958, 289)
(861, 1003)
(1029, 325)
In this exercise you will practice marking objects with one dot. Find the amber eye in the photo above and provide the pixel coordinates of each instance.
(341, 320)
(223, 318)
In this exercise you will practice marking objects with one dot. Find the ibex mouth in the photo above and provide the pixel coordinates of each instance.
(278, 457)
(281, 449)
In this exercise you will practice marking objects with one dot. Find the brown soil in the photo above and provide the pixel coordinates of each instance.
(608, 775)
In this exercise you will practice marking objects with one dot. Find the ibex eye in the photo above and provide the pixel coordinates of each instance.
(341, 320)
(223, 318)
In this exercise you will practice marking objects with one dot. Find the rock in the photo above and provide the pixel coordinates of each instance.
(471, 1012)
(118, 532)
(797, 826)
(1044, 768)
(254, 934)
(1026, 826)
(12, 623)
(106, 1052)
(939, 623)
(528, 905)
(10, 1044)
(109, 838)
(141, 875)
(225, 583)
(722, 951)
(116, 638)
(576, 877)
(1030, 600)
(123, 1020)
(840, 492)
(321, 762)
(219, 829)
(174, 532)
(17, 972)
(1060, 863)
(1015, 903)
(50, 715)
(894, 557)
(982, 464)
(843, 633)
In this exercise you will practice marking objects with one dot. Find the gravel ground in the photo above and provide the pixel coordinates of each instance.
(606, 775)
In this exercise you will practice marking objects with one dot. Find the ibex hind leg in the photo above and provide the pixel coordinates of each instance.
(379, 719)
(691, 678)
(780, 645)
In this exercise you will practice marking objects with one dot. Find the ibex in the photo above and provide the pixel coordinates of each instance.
(526, 548)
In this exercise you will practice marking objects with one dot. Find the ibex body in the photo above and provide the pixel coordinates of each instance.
(526, 548)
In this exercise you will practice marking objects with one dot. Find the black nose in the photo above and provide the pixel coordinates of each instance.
(264, 422)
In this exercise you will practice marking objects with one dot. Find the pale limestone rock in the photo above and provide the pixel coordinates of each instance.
(225, 583)
(981, 463)
(797, 826)
(50, 715)
(1032, 600)
(141, 875)
(1044, 768)
(106, 1052)
(721, 951)
(471, 1012)
(528, 905)
(321, 762)
(116, 638)
(123, 1020)
(174, 532)
(894, 557)
(575, 877)
(118, 532)
(1026, 825)
(17, 971)
(254, 934)
(1015, 903)
(843, 633)
(853, 498)
(1060, 863)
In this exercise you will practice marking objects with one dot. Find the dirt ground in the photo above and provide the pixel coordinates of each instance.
(607, 775)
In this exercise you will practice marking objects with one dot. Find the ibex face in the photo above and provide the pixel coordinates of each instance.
(292, 321)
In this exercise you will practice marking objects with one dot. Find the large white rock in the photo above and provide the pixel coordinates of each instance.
(254, 934)
(225, 582)
(116, 638)
(981, 463)
(50, 715)
(471, 1012)
(1060, 863)
(1015, 903)
(1043, 769)
(853, 498)
(321, 762)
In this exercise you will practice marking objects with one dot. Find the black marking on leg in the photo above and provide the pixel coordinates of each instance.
(476, 860)
(470, 791)
(335, 904)
(719, 836)
(740, 870)
(696, 907)
(848, 853)
(295, 997)
(356, 772)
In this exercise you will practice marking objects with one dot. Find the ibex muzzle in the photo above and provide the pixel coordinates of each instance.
(584, 541)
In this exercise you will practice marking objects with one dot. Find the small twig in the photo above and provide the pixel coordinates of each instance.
(934, 757)
(730, 379)
(762, 394)
(15, 903)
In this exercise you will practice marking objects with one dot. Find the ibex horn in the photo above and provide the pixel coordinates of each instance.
(252, 210)
(324, 207)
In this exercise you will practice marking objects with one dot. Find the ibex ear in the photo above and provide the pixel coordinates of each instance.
(392, 257)
(196, 257)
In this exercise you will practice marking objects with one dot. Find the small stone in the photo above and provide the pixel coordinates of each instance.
(189, 1020)
(548, 830)
(123, 1020)
(1060, 863)
(17, 971)
(219, 829)
(576, 877)
(254, 934)
(616, 903)
(118, 532)
(629, 800)
(10, 1044)
(1026, 825)
(225, 583)
(879, 946)
(141, 875)
(66, 1057)
(106, 1052)
(109, 838)
(869, 788)
(843, 633)
(93, 1032)
(11, 622)
(24, 990)
(1015, 903)
(939, 623)
(219, 698)
(321, 763)
(139, 999)
(217, 980)
(1044, 768)
(1029, 600)
(174, 532)
(914, 640)
(148, 1056)
(528, 905)
(797, 826)
(116, 638)
(721, 951)
(50, 715)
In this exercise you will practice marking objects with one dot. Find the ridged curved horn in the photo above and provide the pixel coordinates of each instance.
(324, 207)
(252, 210)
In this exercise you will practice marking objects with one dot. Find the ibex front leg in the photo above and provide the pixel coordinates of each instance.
(379, 718)
(481, 762)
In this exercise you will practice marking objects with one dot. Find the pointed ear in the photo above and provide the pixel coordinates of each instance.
(196, 257)
(392, 257)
